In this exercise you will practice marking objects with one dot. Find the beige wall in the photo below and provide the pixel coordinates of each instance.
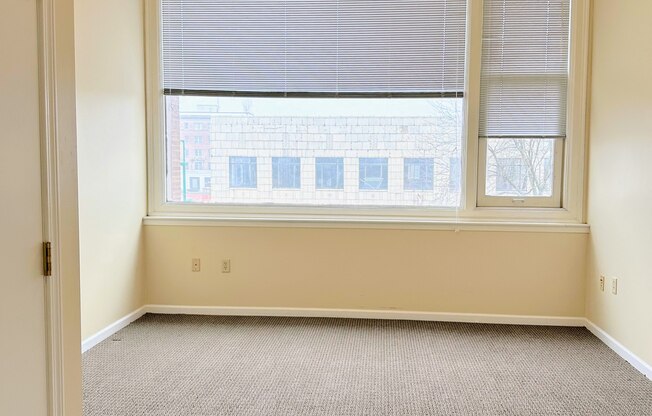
(620, 173)
(416, 270)
(112, 162)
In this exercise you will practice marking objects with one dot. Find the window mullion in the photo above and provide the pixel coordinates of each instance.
(472, 106)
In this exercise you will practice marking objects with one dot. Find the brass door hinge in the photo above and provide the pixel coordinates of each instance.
(47, 258)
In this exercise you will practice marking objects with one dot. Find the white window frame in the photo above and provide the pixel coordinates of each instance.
(474, 210)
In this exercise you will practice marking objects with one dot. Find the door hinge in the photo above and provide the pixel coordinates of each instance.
(47, 258)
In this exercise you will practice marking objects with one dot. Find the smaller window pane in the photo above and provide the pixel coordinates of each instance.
(286, 172)
(373, 173)
(207, 182)
(520, 167)
(198, 165)
(242, 172)
(329, 172)
(418, 173)
(198, 139)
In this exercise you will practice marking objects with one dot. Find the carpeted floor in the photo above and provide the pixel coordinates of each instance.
(242, 366)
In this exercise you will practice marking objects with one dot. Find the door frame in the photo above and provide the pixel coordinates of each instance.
(55, 20)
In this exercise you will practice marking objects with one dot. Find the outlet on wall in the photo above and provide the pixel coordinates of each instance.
(226, 266)
(196, 265)
(614, 285)
(601, 283)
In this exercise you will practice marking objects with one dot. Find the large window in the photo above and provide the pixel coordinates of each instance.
(347, 104)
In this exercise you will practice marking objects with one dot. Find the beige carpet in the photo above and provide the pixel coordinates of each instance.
(199, 365)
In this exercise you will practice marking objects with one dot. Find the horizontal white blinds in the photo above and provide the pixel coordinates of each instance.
(314, 47)
(524, 72)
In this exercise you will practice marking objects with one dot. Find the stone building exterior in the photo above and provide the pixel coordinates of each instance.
(388, 161)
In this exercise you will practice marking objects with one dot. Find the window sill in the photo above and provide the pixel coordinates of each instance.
(335, 222)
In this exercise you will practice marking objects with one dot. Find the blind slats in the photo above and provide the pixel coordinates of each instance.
(524, 74)
(319, 47)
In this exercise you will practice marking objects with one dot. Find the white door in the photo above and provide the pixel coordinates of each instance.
(22, 311)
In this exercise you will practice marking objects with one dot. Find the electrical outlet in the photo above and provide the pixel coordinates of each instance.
(226, 266)
(601, 283)
(614, 286)
(196, 265)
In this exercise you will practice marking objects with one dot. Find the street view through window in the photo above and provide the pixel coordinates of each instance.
(336, 152)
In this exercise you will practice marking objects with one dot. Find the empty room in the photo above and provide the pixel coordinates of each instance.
(325, 207)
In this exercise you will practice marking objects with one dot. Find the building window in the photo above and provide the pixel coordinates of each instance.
(329, 173)
(286, 172)
(373, 173)
(454, 174)
(198, 153)
(242, 172)
(418, 174)
(198, 140)
(207, 182)
(198, 165)
(194, 184)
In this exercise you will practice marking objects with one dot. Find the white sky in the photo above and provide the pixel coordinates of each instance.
(320, 107)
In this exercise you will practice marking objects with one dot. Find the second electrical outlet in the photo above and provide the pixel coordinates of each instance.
(226, 266)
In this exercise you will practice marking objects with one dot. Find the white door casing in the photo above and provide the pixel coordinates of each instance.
(40, 360)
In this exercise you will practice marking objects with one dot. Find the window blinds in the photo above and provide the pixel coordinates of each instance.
(524, 72)
(324, 48)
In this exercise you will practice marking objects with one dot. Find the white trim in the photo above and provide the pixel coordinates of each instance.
(369, 314)
(107, 332)
(154, 106)
(620, 349)
(50, 206)
(364, 222)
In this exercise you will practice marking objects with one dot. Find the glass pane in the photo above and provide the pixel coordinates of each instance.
(329, 172)
(286, 172)
(520, 167)
(314, 151)
(373, 173)
(418, 173)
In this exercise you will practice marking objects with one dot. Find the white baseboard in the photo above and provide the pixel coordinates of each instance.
(105, 333)
(368, 314)
(620, 349)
